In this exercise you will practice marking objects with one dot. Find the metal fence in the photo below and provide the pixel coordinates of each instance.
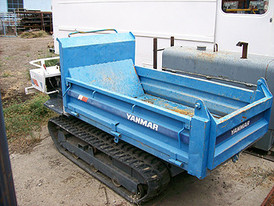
(8, 24)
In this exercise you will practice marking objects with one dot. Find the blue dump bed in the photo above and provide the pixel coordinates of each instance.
(192, 123)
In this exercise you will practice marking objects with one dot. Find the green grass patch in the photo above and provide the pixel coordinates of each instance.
(23, 118)
(48, 54)
(7, 74)
(52, 62)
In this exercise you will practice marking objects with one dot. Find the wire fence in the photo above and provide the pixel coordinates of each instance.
(9, 24)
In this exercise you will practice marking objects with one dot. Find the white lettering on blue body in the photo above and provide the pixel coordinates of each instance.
(142, 122)
(237, 129)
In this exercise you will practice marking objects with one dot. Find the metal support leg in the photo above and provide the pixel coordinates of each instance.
(155, 53)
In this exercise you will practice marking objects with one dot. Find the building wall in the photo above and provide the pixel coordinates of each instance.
(3, 6)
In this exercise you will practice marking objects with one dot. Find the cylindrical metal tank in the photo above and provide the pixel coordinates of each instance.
(224, 67)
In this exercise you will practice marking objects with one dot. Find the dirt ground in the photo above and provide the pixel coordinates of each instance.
(15, 55)
(45, 177)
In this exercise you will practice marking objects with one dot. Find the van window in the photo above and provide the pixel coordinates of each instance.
(245, 6)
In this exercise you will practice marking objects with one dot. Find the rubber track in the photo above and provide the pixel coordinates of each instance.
(152, 169)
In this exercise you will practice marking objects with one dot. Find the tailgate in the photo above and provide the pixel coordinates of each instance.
(234, 132)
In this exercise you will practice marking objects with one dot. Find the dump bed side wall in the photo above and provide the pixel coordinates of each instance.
(143, 125)
(238, 130)
(219, 99)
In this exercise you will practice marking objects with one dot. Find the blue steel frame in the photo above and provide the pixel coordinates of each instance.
(226, 119)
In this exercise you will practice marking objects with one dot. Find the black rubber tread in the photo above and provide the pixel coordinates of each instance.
(154, 172)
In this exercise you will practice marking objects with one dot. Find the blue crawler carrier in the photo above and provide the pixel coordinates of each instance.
(182, 123)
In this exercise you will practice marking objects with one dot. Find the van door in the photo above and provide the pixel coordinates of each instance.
(247, 21)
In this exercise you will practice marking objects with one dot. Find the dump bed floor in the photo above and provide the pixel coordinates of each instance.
(170, 105)
(173, 106)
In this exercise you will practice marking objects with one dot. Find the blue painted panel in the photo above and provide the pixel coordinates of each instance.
(119, 77)
(205, 86)
(93, 49)
(238, 117)
(91, 40)
(150, 122)
(134, 101)
(220, 99)
(106, 114)
(143, 140)
(242, 141)
(234, 130)
(198, 144)
(178, 94)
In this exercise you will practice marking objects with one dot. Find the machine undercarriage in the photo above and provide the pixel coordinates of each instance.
(129, 171)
